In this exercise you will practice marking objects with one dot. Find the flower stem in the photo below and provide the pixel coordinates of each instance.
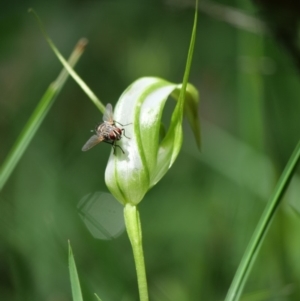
(134, 230)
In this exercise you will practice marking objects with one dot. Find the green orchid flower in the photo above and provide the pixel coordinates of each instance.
(147, 157)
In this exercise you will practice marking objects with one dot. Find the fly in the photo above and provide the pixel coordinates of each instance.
(106, 132)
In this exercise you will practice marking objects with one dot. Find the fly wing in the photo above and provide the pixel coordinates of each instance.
(94, 140)
(108, 114)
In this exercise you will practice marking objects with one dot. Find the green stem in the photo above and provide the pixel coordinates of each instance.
(134, 230)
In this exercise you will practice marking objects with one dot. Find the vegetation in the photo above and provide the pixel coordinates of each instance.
(198, 220)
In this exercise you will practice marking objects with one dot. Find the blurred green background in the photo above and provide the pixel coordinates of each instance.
(198, 220)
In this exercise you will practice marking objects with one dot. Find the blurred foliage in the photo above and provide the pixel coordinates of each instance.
(198, 220)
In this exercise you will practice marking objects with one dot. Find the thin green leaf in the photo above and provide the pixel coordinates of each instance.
(75, 76)
(75, 284)
(37, 117)
(259, 234)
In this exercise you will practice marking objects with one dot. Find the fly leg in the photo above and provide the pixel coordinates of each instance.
(121, 123)
(123, 130)
(114, 145)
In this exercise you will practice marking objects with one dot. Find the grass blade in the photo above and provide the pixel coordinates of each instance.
(263, 225)
(69, 68)
(75, 285)
(37, 117)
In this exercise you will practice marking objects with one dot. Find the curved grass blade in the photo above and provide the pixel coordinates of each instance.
(69, 68)
(75, 284)
(263, 225)
(37, 117)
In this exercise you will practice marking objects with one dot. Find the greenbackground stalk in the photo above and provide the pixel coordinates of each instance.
(37, 117)
(263, 225)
